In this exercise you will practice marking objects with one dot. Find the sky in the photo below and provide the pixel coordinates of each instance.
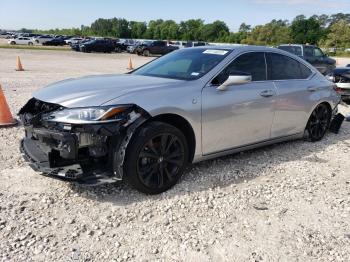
(47, 14)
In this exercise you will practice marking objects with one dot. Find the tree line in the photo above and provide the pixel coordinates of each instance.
(324, 30)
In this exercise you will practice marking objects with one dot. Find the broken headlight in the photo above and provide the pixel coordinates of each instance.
(87, 115)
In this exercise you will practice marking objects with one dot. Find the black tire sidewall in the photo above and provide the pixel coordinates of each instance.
(140, 137)
(313, 139)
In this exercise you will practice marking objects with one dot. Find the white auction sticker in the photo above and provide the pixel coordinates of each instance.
(195, 74)
(215, 52)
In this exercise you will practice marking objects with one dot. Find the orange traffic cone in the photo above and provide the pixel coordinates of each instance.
(130, 67)
(6, 118)
(19, 66)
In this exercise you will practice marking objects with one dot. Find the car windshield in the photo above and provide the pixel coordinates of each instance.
(184, 64)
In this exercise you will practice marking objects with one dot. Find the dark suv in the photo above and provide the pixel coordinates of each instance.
(313, 55)
(155, 48)
(97, 45)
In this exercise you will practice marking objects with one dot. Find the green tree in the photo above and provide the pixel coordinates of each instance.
(306, 31)
(272, 34)
(245, 28)
(339, 35)
(190, 30)
(215, 31)
(137, 29)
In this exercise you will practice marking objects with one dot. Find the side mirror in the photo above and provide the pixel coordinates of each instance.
(235, 80)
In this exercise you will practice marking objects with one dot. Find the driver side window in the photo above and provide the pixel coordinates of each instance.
(318, 52)
(247, 64)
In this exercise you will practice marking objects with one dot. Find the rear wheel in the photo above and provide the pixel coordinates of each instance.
(12, 43)
(30, 43)
(146, 53)
(319, 122)
(156, 158)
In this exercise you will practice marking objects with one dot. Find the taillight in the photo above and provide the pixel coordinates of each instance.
(338, 90)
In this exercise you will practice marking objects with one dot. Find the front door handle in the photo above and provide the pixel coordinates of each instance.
(267, 93)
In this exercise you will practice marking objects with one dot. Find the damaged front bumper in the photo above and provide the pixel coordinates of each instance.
(85, 153)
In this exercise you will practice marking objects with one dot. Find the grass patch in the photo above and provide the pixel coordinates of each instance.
(33, 47)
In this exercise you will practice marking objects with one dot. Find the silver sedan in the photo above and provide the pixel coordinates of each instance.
(191, 105)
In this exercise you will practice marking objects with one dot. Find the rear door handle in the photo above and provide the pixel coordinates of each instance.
(267, 93)
(312, 88)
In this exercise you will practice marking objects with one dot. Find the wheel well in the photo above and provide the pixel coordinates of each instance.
(326, 103)
(184, 126)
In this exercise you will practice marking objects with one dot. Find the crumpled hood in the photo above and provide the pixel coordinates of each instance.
(97, 90)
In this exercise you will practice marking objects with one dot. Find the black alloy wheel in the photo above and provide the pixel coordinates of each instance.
(319, 122)
(156, 158)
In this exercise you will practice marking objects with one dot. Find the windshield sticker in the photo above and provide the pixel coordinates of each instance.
(215, 52)
(195, 74)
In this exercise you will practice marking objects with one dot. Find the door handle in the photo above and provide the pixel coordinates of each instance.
(267, 93)
(312, 88)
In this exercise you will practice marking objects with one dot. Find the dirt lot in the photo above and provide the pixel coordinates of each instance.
(287, 202)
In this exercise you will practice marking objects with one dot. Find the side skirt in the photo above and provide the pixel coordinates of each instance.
(248, 147)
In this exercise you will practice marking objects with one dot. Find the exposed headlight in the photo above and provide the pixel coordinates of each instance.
(87, 115)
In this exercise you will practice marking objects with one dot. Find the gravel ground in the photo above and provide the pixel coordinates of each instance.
(287, 202)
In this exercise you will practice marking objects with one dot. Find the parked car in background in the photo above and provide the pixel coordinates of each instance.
(341, 77)
(97, 45)
(42, 39)
(140, 45)
(155, 48)
(188, 106)
(21, 41)
(195, 44)
(178, 44)
(313, 55)
(131, 48)
(76, 46)
(73, 40)
(55, 42)
(5, 35)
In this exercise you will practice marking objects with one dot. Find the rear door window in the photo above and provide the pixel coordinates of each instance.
(281, 67)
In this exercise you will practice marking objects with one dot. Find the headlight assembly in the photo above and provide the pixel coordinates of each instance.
(87, 115)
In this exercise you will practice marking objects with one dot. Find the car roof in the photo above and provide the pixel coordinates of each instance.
(296, 45)
(239, 48)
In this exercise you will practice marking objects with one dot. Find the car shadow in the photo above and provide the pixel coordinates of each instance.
(224, 171)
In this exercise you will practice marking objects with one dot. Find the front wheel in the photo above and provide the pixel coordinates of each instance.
(156, 158)
(30, 43)
(319, 122)
(12, 43)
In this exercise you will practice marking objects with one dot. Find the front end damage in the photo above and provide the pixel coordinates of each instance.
(88, 153)
(341, 77)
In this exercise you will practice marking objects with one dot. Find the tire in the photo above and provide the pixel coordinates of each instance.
(146, 53)
(12, 43)
(118, 50)
(30, 43)
(150, 167)
(319, 122)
